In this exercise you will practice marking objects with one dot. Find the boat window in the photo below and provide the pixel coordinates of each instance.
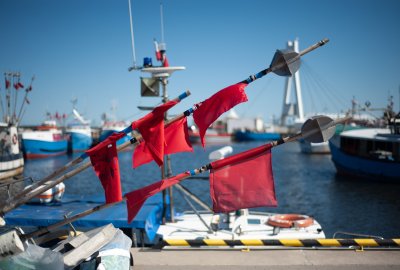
(349, 145)
(253, 221)
(371, 149)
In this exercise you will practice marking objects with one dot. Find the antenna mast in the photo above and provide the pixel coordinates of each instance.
(132, 37)
(162, 23)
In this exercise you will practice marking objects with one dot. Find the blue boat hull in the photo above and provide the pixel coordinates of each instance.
(79, 142)
(364, 168)
(105, 134)
(243, 136)
(40, 149)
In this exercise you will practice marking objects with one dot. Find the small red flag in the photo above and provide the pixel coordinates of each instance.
(151, 127)
(165, 60)
(136, 199)
(104, 158)
(176, 140)
(8, 84)
(158, 53)
(222, 101)
(242, 181)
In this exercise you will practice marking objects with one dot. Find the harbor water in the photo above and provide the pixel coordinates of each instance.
(305, 184)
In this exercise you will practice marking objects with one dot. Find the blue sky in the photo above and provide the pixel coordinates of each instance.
(82, 49)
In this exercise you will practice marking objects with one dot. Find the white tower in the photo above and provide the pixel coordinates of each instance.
(292, 111)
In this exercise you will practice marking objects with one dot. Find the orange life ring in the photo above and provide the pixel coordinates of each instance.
(14, 139)
(290, 220)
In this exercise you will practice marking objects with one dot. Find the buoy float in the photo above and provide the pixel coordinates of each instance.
(290, 220)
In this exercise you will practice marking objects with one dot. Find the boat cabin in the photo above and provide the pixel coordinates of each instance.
(372, 144)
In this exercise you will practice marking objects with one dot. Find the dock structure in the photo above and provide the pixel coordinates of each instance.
(271, 259)
(143, 227)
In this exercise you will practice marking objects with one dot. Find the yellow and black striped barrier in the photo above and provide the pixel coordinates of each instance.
(361, 242)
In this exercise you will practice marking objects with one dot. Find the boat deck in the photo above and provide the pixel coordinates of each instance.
(38, 215)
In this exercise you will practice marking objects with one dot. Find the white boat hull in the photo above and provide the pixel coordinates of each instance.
(314, 148)
(253, 226)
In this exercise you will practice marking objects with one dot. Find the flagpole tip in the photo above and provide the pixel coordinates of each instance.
(324, 41)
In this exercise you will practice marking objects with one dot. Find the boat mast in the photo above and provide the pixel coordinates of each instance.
(132, 37)
(161, 74)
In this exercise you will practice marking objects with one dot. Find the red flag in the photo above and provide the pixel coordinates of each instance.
(8, 84)
(176, 138)
(104, 158)
(158, 53)
(222, 101)
(136, 199)
(242, 181)
(151, 127)
(165, 60)
(20, 85)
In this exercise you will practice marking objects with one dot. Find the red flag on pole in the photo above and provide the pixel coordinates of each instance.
(151, 127)
(104, 158)
(136, 199)
(165, 62)
(176, 140)
(158, 53)
(20, 85)
(242, 181)
(8, 84)
(222, 101)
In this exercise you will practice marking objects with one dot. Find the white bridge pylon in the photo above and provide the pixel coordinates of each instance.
(292, 111)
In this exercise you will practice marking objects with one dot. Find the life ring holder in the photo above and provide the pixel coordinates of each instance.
(14, 139)
(290, 221)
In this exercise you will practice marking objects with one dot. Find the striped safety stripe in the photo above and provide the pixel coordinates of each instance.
(363, 242)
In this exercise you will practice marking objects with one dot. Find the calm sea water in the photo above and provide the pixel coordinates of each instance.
(305, 184)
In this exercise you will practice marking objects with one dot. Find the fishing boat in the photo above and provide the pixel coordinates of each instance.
(111, 124)
(80, 137)
(80, 133)
(248, 135)
(11, 157)
(212, 136)
(241, 225)
(217, 133)
(45, 141)
(109, 127)
(324, 148)
(368, 153)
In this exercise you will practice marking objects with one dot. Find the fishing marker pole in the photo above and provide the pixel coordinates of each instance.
(285, 63)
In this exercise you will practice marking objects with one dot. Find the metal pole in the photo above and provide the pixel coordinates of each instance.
(164, 82)
(162, 23)
(132, 36)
